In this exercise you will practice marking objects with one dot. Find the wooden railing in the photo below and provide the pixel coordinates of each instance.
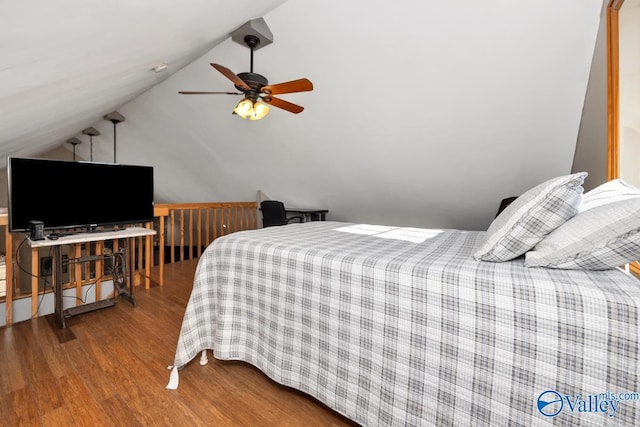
(183, 232)
(186, 229)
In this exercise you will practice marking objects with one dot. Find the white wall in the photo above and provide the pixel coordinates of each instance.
(423, 113)
(591, 149)
(630, 91)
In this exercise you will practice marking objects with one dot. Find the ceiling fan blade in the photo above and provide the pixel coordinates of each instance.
(229, 74)
(300, 85)
(285, 105)
(184, 92)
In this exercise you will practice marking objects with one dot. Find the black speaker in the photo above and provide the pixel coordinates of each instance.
(37, 230)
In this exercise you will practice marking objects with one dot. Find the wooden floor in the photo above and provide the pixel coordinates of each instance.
(109, 367)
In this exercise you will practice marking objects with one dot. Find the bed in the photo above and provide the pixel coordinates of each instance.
(404, 326)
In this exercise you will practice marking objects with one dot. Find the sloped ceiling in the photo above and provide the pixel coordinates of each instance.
(423, 113)
(66, 63)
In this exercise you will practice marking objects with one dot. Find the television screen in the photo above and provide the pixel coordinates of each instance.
(70, 194)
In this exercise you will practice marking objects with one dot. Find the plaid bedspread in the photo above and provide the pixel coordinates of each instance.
(398, 326)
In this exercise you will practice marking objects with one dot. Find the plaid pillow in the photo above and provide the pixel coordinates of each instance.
(601, 238)
(532, 216)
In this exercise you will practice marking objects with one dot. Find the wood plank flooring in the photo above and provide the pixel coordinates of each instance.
(109, 368)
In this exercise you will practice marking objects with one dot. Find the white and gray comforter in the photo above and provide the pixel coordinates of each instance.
(397, 326)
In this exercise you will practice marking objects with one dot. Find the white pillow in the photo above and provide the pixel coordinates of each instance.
(531, 217)
(601, 238)
(608, 192)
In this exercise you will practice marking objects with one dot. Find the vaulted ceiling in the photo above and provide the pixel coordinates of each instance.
(66, 63)
(423, 113)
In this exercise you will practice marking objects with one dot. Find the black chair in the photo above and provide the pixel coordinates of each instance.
(274, 213)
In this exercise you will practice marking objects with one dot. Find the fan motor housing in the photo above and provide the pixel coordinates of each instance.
(256, 81)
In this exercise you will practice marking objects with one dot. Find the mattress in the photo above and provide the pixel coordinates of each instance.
(401, 326)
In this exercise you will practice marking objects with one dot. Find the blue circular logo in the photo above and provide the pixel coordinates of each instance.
(550, 403)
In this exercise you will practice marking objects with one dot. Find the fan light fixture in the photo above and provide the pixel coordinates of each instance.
(258, 93)
(254, 110)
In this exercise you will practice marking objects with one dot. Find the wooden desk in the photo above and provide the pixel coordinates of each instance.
(127, 234)
(309, 214)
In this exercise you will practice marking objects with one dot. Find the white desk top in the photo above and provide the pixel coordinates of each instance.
(92, 237)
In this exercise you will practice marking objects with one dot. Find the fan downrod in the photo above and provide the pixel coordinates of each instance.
(255, 80)
(252, 41)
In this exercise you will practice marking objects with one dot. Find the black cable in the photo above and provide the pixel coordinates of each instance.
(46, 281)
(44, 288)
(44, 291)
(83, 300)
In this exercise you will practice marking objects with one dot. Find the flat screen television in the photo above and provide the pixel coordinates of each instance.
(69, 194)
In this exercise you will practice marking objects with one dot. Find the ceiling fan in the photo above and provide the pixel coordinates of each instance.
(257, 91)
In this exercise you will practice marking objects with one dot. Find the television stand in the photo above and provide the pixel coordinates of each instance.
(56, 236)
(91, 229)
(119, 283)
